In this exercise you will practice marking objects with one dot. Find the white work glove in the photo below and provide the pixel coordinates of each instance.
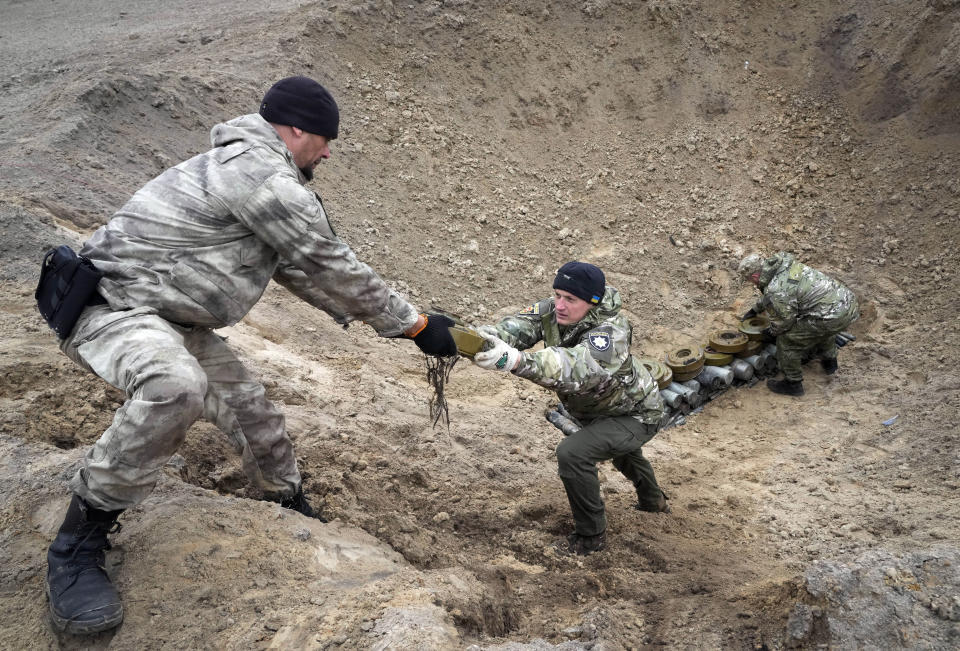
(501, 357)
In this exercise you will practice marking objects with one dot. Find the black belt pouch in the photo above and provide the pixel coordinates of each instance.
(68, 283)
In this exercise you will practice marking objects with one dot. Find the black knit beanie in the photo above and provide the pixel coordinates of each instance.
(303, 103)
(581, 279)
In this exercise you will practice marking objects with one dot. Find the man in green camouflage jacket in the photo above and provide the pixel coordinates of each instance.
(191, 251)
(586, 359)
(807, 309)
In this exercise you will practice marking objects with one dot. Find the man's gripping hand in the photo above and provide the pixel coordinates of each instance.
(500, 357)
(432, 335)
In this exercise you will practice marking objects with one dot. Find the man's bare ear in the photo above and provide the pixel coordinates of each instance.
(298, 132)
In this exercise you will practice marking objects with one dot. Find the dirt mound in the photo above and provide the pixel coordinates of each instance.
(913, 76)
(482, 145)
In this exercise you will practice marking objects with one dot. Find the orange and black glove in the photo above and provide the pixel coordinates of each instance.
(433, 336)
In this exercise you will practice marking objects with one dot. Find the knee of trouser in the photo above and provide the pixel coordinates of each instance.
(182, 391)
(568, 456)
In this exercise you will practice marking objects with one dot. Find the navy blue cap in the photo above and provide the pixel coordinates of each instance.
(581, 279)
(303, 103)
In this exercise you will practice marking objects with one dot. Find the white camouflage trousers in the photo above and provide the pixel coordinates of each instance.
(172, 375)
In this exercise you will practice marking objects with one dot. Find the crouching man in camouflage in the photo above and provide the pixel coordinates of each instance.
(191, 251)
(586, 359)
(807, 309)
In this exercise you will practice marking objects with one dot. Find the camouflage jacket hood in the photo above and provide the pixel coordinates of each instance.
(588, 364)
(792, 291)
(200, 242)
(773, 265)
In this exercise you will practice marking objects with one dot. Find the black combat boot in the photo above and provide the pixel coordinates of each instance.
(586, 545)
(82, 599)
(300, 504)
(829, 366)
(660, 506)
(786, 387)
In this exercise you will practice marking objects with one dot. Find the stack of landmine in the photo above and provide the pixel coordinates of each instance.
(690, 376)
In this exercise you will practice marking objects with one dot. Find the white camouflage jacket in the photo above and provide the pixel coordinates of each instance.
(201, 241)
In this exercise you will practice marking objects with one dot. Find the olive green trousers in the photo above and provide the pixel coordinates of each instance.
(813, 339)
(618, 438)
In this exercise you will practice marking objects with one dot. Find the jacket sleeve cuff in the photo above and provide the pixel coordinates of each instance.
(398, 317)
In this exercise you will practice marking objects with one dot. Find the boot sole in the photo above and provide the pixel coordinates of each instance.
(783, 391)
(73, 627)
(655, 509)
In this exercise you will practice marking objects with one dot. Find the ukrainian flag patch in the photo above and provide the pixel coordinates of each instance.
(533, 309)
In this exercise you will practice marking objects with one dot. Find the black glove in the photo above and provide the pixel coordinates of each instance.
(749, 314)
(435, 338)
(767, 336)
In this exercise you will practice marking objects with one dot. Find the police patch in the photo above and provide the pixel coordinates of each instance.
(599, 340)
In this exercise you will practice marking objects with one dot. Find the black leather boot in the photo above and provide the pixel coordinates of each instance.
(786, 387)
(82, 598)
(660, 506)
(586, 545)
(300, 504)
(829, 366)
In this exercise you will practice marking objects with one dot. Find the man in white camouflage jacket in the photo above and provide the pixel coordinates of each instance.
(586, 359)
(191, 251)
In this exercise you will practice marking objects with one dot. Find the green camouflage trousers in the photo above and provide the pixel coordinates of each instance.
(618, 438)
(809, 340)
(172, 375)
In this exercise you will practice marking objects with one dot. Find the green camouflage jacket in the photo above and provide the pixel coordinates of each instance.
(201, 241)
(793, 291)
(588, 364)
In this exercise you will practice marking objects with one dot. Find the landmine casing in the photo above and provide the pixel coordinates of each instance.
(712, 357)
(741, 370)
(728, 341)
(661, 373)
(769, 362)
(685, 363)
(755, 362)
(752, 347)
(690, 396)
(675, 400)
(701, 390)
(716, 377)
(665, 379)
(754, 327)
(468, 341)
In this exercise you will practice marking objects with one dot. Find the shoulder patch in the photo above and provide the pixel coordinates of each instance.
(533, 309)
(796, 270)
(599, 340)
